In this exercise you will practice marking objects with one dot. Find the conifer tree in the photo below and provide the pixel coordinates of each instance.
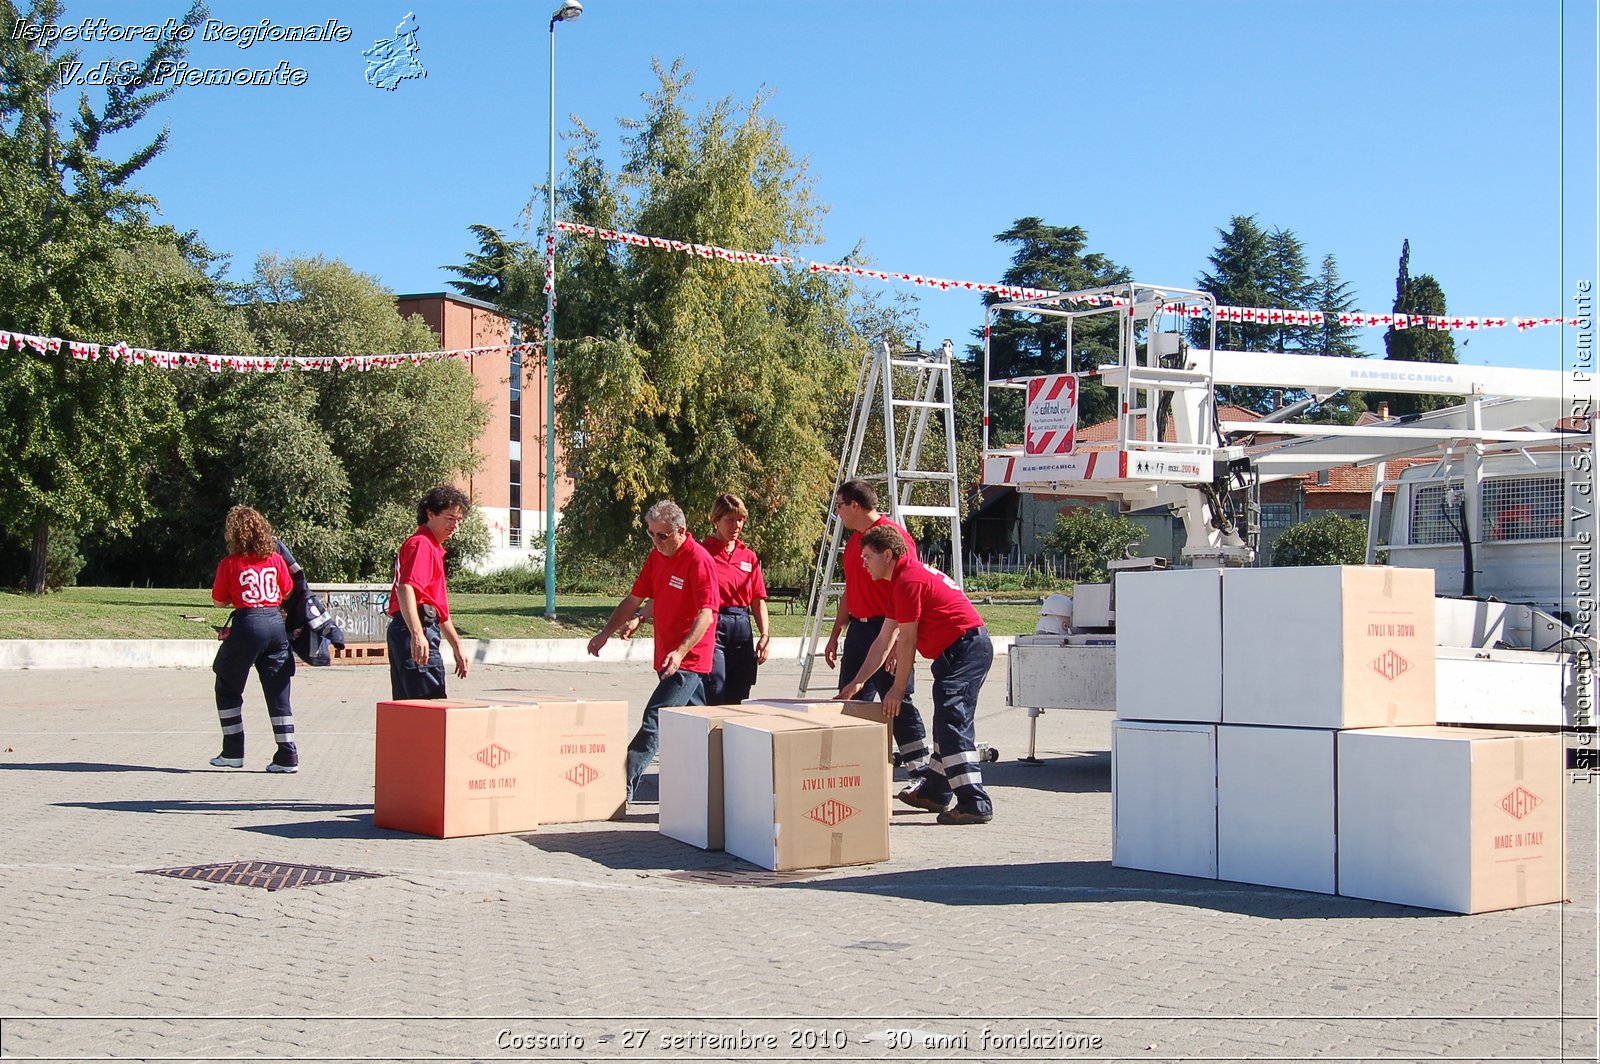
(1051, 257)
(1413, 296)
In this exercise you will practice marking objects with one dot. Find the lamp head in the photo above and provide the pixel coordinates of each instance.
(569, 10)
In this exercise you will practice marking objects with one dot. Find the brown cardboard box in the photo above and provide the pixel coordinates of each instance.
(1361, 653)
(690, 773)
(805, 791)
(448, 768)
(580, 764)
(1463, 819)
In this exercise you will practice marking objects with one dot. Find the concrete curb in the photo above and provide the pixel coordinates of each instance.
(197, 653)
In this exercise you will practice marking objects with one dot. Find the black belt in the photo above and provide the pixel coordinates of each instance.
(735, 611)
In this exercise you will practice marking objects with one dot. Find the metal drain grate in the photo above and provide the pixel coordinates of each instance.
(268, 875)
(740, 877)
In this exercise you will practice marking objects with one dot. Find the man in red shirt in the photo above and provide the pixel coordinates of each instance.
(937, 620)
(864, 607)
(418, 602)
(681, 586)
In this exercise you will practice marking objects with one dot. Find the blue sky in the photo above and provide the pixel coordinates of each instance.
(928, 126)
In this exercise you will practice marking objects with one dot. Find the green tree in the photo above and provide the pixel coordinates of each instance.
(506, 273)
(1419, 295)
(78, 440)
(686, 377)
(1328, 540)
(1048, 257)
(1333, 297)
(1252, 267)
(1091, 536)
(364, 445)
(180, 536)
(1240, 276)
(1289, 286)
(336, 460)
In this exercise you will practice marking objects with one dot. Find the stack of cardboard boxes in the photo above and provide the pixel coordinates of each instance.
(782, 785)
(1276, 726)
(463, 767)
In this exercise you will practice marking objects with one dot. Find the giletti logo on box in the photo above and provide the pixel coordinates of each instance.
(494, 755)
(1520, 802)
(831, 812)
(581, 775)
(1390, 665)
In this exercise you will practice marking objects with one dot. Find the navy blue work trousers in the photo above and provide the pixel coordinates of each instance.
(407, 679)
(910, 737)
(733, 666)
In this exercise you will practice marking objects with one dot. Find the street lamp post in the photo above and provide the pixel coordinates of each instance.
(570, 9)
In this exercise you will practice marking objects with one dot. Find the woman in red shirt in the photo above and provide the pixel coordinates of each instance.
(254, 580)
(743, 595)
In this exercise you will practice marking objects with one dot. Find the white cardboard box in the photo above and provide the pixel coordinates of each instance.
(1169, 645)
(690, 771)
(1275, 807)
(1334, 646)
(805, 790)
(1164, 797)
(1463, 819)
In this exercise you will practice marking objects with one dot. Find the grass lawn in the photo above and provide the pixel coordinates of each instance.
(171, 613)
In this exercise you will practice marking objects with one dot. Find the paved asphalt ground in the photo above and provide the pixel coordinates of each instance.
(1014, 941)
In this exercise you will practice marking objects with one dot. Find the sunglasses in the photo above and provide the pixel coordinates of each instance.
(659, 536)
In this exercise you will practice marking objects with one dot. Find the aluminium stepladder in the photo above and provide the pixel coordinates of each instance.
(904, 392)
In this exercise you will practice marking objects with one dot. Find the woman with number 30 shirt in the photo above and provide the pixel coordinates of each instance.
(254, 580)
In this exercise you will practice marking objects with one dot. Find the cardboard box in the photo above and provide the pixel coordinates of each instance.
(805, 791)
(580, 761)
(1275, 807)
(449, 768)
(1164, 797)
(1462, 819)
(1328, 647)
(1169, 645)
(871, 712)
(690, 771)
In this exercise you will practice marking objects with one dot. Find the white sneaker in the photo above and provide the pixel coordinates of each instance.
(227, 762)
(287, 759)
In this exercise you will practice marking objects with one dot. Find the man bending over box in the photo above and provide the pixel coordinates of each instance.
(937, 620)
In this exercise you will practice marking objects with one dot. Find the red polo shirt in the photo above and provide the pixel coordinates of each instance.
(940, 608)
(680, 587)
(739, 580)
(245, 582)
(421, 564)
(865, 597)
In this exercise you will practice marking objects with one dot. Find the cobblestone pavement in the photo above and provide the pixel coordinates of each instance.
(607, 941)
